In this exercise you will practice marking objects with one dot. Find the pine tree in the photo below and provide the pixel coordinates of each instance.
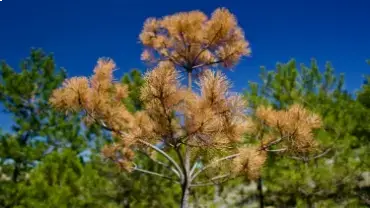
(64, 180)
(204, 127)
(37, 129)
(325, 177)
(362, 132)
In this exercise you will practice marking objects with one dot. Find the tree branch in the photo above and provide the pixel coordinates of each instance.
(162, 164)
(207, 46)
(182, 163)
(169, 158)
(276, 150)
(212, 163)
(194, 167)
(271, 143)
(207, 64)
(154, 173)
(211, 181)
(322, 154)
(306, 159)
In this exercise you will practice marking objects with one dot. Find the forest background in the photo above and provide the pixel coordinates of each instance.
(52, 166)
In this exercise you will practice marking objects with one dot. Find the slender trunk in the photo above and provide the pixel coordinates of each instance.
(260, 192)
(185, 186)
(186, 183)
(185, 194)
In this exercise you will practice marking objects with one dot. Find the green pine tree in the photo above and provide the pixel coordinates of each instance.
(63, 180)
(37, 129)
(328, 177)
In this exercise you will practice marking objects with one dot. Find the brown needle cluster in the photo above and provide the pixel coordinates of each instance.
(293, 126)
(214, 119)
(249, 162)
(192, 40)
(101, 101)
(211, 118)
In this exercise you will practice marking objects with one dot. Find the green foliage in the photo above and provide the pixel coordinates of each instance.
(37, 130)
(40, 164)
(134, 81)
(138, 189)
(330, 174)
(63, 180)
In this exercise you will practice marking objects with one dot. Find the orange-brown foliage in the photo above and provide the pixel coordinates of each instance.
(295, 126)
(250, 162)
(212, 120)
(191, 39)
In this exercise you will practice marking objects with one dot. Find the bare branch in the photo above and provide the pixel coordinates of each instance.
(306, 159)
(182, 162)
(154, 173)
(169, 158)
(297, 158)
(208, 63)
(162, 164)
(212, 163)
(322, 154)
(211, 181)
(194, 167)
(264, 147)
(276, 150)
(213, 62)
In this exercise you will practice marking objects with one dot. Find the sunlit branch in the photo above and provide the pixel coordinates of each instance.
(182, 162)
(322, 154)
(213, 62)
(212, 181)
(162, 164)
(208, 63)
(306, 159)
(169, 158)
(155, 173)
(276, 150)
(264, 147)
(194, 167)
(212, 163)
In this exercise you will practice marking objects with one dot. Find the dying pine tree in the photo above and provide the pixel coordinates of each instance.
(199, 132)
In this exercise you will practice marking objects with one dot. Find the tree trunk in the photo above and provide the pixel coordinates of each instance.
(185, 194)
(260, 192)
(186, 183)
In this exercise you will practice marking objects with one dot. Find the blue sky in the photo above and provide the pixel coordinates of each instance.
(78, 32)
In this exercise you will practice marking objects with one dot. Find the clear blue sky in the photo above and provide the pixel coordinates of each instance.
(78, 32)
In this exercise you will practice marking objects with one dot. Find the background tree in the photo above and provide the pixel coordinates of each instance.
(199, 127)
(64, 180)
(37, 130)
(45, 181)
(327, 177)
(362, 132)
